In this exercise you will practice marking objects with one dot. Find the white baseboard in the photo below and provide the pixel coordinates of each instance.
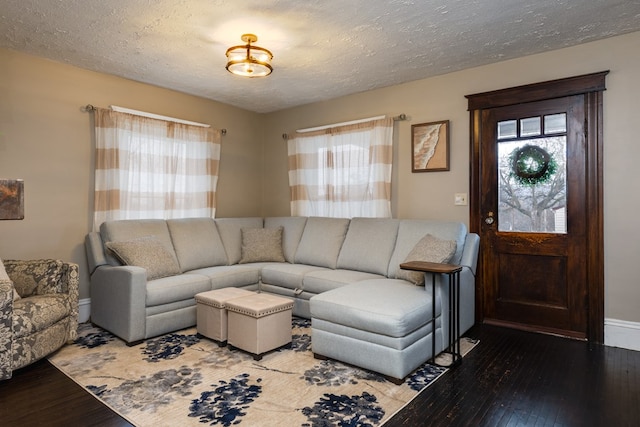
(84, 310)
(621, 333)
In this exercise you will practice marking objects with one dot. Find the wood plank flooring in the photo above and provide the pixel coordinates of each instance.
(512, 378)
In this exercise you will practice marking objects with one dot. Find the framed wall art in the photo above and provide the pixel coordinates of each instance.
(430, 147)
(11, 199)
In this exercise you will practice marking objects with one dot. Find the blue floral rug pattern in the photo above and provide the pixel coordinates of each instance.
(184, 379)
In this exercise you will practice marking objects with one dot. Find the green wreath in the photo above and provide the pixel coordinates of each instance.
(531, 165)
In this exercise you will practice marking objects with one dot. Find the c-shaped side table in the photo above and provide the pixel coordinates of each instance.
(453, 271)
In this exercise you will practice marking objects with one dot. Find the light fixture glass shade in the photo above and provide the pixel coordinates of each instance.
(248, 60)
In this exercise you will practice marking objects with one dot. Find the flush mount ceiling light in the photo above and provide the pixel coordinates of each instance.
(248, 60)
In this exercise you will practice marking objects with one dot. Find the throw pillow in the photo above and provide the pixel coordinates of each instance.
(3, 273)
(262, 245)
(146, 252)
(429, 249)
(4, 277)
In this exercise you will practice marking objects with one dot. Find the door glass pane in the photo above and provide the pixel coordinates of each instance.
(555, 123)
(507, 129)
(530, 126)
(532, 186)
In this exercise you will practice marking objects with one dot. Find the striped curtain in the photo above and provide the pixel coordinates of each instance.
(342, 172)
(151, 168)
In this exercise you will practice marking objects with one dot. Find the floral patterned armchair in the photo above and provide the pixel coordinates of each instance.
(38, 310)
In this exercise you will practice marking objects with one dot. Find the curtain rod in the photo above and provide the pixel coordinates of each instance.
(399, 117)
(352, 122)
(90, 107)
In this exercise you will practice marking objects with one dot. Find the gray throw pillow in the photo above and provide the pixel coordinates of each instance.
(262, 245)
(146, 252)
(429, 249)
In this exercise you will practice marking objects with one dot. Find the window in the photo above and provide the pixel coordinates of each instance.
(342, 172)
(151, 168)
(532, 189)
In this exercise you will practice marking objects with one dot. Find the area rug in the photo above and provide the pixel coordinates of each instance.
(183, 379)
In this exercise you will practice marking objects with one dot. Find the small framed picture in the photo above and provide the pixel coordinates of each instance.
(11, 199)
(430, 147)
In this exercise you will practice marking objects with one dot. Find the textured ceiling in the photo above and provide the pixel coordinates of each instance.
(322, 48)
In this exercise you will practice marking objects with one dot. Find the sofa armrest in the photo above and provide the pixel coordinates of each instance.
(118, 300)
(470, 252)
(95, 251)
(6, 329)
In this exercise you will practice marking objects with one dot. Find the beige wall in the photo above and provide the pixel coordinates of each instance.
(46, 140)
(430, 195)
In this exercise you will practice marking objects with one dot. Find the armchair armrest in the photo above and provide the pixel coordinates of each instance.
(70, 284)
(6, 329)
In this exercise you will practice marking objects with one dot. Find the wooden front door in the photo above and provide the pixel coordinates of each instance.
(533, 205)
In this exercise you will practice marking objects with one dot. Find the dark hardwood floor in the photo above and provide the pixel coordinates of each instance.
(512, 378)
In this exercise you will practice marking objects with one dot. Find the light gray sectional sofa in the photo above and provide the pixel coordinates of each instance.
(342, 274)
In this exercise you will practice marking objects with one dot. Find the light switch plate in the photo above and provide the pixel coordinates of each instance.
(460, 199)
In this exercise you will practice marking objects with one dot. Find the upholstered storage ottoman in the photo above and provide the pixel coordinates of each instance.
(381, 325)
(211, 312)
(259, 323)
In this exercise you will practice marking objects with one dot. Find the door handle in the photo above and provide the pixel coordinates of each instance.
(489, 219)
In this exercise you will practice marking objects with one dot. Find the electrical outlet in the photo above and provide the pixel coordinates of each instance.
(460, 199)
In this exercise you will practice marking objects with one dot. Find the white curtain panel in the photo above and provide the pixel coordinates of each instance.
(150, 168)
(342, 172)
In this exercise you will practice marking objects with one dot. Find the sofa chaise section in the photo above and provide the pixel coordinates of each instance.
(383, 325)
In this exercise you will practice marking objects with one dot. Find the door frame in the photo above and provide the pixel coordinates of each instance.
(592, 87)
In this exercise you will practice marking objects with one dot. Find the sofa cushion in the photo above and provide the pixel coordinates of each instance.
(176, 288)
(293, 226)
(368, 245)
(321, 281)
(127, 229)
(34, 276)
(430, 249)
(321, 241)
(38, 312)
(287, 275)
(231, 234)
(410, 231)
(261, 245)
(148, 253)
(197, 243)
(389, 307)
(224, 276)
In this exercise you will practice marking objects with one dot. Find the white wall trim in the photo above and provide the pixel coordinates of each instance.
(622, 333)
(84, 310)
